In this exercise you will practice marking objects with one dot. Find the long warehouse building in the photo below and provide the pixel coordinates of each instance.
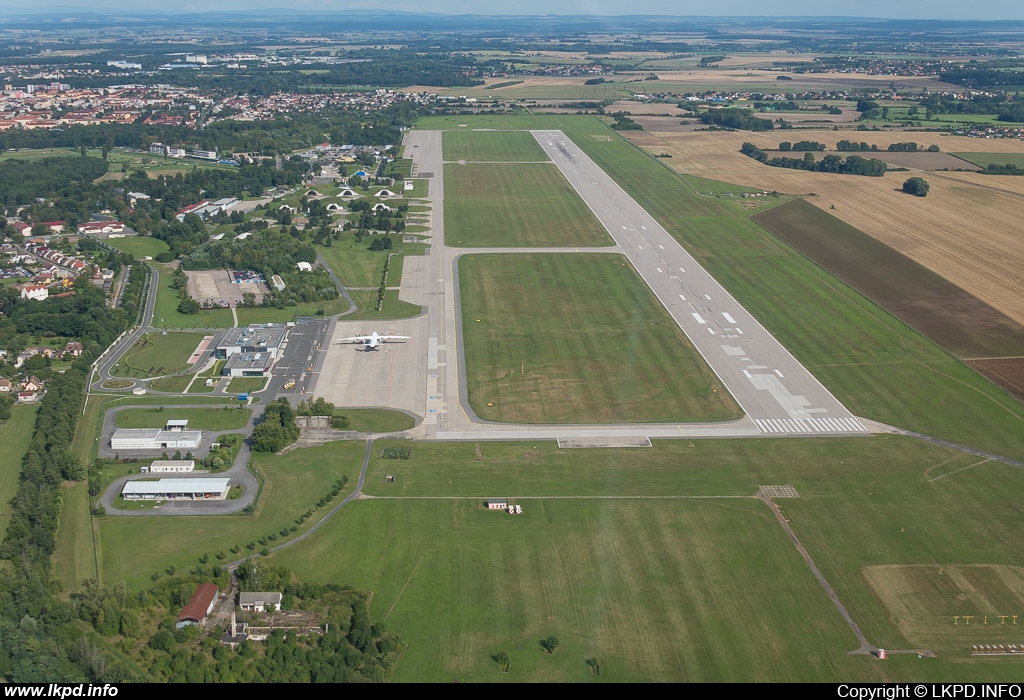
(189, 489)
(155, 439)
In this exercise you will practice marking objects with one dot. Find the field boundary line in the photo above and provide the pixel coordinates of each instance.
(407, 582)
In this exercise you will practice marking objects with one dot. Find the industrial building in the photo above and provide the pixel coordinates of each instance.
(261, 601)
(198, 606)
(186, 489)
(155, 439)
(264, 339)
(170, 466)
(248, 364)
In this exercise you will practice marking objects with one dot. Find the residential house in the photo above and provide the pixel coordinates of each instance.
(33, 383)
(74, 349)
(5, 385)
(26, 396)
(38, 292)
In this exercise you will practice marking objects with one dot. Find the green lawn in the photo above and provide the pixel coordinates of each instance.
(376, 420)
(133, 548)
(289, 313)
(245, 384)
(666, 589)
(983, 159)
(502, 146)
(176, 383)
(356, 266)
(139, 246)
(553, 338)
(366, 300)
(166, 313)
(516, 205)
(155, 354)
(15, 434)
(198, 418)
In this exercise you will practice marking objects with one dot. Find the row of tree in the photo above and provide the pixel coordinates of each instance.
(851, 165)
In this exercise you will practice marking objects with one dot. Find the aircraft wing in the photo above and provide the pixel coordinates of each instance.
(394, 337)
(357, 338)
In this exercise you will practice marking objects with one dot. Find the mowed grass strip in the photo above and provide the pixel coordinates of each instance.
(516, 205)
(655, 590)
(983, 159)
(227, 418)
(579, 338)
(15, 434)
(505, 146)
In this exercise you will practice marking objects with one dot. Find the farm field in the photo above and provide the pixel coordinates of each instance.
(929, 231)
(506, 146)
(516, 205)
(15, 435)
(134, 548)
(165, 313)
(941, 311)
(139, 246)
(155, 354)
(483, 582)
(983, 159)
(198, 418)
(603, 350)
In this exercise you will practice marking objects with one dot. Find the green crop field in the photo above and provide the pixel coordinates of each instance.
(708, 579)
(491, 146)
(552, 338)
(198, 418)
(165, 314)
(516, 205)
(15, 434)
(136, 547)
(155, 354)
(983, 159)
(139, 246)
(874, 364)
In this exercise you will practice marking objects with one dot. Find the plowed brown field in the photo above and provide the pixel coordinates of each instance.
(967, 229)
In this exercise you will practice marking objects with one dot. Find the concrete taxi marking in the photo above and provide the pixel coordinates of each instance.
(780, 373)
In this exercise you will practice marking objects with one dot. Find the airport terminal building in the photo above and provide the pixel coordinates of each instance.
(250, 352)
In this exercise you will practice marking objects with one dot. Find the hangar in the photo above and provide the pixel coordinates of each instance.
(155, 439)
(180, 489)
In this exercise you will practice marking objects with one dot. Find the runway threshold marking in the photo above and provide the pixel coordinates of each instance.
(698, 318)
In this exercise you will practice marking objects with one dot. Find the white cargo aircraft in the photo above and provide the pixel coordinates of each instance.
(374, 340)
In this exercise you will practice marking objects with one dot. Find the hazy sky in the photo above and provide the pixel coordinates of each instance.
(923, 9)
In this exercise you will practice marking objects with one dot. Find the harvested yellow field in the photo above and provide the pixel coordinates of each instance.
(967, 229)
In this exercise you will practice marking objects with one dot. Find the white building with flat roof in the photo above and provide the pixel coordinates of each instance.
(155, 439)
(172, 466)
(190, 489)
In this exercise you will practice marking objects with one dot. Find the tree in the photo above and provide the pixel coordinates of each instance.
(550, 644)
(916, 186)
(503, 661)
(188, 306)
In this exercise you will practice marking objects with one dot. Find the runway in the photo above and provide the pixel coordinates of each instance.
(770, 385)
